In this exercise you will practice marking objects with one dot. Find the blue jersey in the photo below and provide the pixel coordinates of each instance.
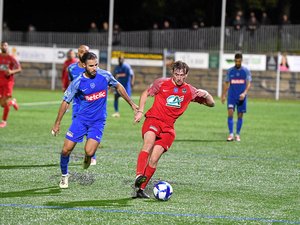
(238, 79)
(92, 93)
(74, 71)
(125, 79)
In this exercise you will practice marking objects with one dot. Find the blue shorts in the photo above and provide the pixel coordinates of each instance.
(90, 129)
(240, 105)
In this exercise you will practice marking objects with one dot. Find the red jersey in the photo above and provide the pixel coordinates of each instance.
(7, 62)
(170, 100)
(65, 73)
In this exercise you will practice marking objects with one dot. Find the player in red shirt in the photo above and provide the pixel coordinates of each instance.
(172, 97)
(8, 67)
(71, 58)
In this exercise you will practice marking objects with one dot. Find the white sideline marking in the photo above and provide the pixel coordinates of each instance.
(58, 102)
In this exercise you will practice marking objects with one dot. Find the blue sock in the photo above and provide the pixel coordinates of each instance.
(230, 124)
(94, 156)
(116, 104)
(64, 161)
(239, 125)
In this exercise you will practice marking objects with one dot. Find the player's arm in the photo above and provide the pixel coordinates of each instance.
(225, 89)
(123, 93)
(61, 112)
(140, 113)
(243, 95)
(16, 68)
(203, 97)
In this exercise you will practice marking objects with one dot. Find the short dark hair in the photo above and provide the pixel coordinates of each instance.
(88, 56)
(179, 65)
(238, 56)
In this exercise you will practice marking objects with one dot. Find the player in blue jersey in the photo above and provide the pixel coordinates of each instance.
(74, 71)
(125, 75)
(91, 87)
(236, 85)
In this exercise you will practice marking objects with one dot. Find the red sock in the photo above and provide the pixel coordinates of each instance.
(142, 163)
(149, 171)
(5, 112)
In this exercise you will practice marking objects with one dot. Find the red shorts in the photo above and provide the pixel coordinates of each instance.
(165, 134)
(6, 89)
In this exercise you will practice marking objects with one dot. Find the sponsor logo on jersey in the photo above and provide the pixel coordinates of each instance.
(174, 101)
(175, 90)
(237, 81)
(95, 96)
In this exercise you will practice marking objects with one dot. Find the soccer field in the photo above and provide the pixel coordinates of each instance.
(256, 181)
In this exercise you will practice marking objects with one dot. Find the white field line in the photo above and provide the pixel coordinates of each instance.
(58, 102)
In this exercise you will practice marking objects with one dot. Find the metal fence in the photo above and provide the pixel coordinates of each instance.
(264, 39)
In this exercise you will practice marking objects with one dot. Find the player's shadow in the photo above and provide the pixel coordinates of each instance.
(119, 203)
(31, 192)
(198, 140)
(26, 166)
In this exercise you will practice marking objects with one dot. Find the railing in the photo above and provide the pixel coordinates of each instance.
(264, 39)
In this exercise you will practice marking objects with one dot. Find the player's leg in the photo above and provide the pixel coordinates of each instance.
(90, 148)
(230, 123)
(143, 158)
(241, 109)
(116, 104)
(64, 162)
(94, 136)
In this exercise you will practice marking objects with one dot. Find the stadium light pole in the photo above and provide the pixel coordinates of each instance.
(221, 48)
(1, 19)
(110, 34)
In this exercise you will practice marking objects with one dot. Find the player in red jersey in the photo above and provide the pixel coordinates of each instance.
(8, 67)
(172, 97)
(71, 58)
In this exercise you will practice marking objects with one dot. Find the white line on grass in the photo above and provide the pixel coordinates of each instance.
(58, 102)
(151, 213)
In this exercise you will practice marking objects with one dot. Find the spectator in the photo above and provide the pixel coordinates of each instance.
(155, 26)
(285, 35)
(5, 27)
(104, 27)
(71, 58)
(166, 24)
(31, 28)
(116, 34)
(93, 28)
(265, 20)
(252, 24)
(237, 23)
(284, 66)
(195, 25)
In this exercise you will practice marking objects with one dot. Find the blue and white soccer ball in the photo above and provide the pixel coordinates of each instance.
(162, 191)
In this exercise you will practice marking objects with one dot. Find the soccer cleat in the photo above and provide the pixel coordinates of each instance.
(14, 104)
(141, 194)
(230, 137)
(3, 124)
(64, 182)
(237, 137)
(93, 162)
(87, 162)
(116, 115)
(139, 180)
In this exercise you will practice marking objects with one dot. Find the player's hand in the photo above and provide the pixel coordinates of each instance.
(202, 93)
(138, 116)
(55, 130)
(223, 98)
(242, 96)
(135, 107)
